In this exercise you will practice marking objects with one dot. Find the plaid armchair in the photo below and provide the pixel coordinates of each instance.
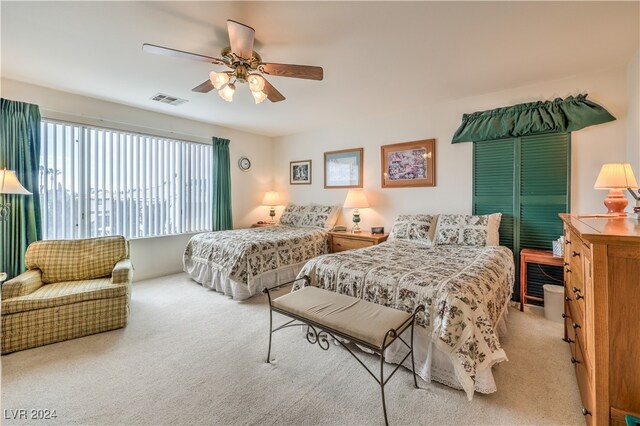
(72, 288)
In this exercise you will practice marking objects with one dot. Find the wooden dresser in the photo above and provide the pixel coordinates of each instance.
(602, 314)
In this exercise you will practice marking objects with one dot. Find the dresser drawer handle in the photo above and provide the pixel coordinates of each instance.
(566, 263)
(575, 325)
(565, 315)
(574, 360)
(567, 270)
(567, 242)
(575, 290)
(579, 296)
(567, 299)
(585, 412)
(568, 340)
(575, 253)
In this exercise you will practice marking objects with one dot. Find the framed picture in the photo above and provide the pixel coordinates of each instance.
(300, 172)
(343, 169)
(409, 164)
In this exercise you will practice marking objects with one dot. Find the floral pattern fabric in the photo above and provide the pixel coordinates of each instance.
(414, 227)
(243, 254)
(467, 230)
(292, 215)
(318, 216)
(464, 290)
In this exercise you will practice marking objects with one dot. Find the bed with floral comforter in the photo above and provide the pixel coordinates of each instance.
(241, 262)
(465, 290)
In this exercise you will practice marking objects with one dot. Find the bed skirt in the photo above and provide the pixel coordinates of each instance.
(216, 279)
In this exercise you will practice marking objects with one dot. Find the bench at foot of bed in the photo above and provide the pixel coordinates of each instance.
(326, 313)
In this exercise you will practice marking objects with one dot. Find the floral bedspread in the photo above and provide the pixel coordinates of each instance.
(246, 253)
(464, 289)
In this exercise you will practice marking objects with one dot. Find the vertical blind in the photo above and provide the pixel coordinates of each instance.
(97, 182)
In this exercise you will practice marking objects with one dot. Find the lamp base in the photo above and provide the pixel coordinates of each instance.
(356, 219)
(272, 215)
(616, 202)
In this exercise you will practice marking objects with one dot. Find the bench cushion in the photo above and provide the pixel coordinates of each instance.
(353, 317)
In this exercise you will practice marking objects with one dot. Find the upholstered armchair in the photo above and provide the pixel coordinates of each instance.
(72, 288)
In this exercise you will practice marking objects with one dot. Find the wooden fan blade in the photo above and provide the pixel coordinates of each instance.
(205, 87)
(272, 93)
(166, 51)
(241, 37)
(296, 71)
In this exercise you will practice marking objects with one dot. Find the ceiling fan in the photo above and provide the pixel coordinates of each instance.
(246, 66)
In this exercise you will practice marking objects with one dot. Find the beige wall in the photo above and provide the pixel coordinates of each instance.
(633, 134)
(162, 255)
(590, 148)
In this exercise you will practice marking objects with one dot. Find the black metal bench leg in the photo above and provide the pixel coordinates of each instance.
(413, 363)
(384, 404)
(270, 329)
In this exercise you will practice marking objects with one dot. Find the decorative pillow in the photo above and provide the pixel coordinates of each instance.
(318, 216)
(414, 227)
(468, 230)
(292, 215)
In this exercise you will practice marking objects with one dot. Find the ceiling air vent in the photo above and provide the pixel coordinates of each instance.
(167, 99)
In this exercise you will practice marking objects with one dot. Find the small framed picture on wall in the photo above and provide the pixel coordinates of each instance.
(409, 164)
(300, 172)
(343, 169)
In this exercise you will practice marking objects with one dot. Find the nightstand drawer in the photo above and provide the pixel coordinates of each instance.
(339, 244)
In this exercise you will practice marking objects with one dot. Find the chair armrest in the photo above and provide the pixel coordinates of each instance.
(23, 284)
(122, 272)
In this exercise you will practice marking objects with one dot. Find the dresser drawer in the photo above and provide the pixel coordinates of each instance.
(573, 256)
(339, 244)
(584, 384)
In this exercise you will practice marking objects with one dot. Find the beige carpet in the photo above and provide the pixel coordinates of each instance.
(191, 356)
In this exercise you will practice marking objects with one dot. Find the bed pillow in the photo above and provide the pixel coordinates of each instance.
(468, 230)
(292, 215)
(417, 228)
(318, 216)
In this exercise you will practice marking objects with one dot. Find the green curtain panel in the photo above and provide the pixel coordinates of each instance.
(222, 219)
(557, 116)
(20, 151)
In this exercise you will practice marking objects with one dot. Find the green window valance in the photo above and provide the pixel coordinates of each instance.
(559, 115)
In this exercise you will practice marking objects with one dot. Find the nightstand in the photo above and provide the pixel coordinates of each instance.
(261, 225)
(342, 241)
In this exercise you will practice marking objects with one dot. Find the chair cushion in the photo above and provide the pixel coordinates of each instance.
(64, 293)
(353, 317)
(72, 260)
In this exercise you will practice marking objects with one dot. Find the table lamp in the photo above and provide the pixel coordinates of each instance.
(9, 184)
(356, 200)
(271, 199)
(616, 177)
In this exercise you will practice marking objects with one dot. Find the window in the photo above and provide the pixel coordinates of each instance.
(96, 182)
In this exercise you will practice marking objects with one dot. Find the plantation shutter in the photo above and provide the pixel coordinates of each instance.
(493, 177)
(544, 188)
(527, 179)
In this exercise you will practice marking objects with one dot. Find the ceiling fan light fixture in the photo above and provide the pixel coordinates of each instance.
(256, 83)
(227, 92)
(218, 79)
(259, 97)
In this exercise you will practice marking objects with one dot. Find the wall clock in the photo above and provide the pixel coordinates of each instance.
(244, 164)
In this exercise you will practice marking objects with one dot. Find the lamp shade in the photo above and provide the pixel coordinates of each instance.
(616, 176)
(356, 200)
(9, 183)
(271, 198)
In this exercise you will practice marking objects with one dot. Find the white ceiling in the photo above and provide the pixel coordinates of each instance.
(379, 58)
